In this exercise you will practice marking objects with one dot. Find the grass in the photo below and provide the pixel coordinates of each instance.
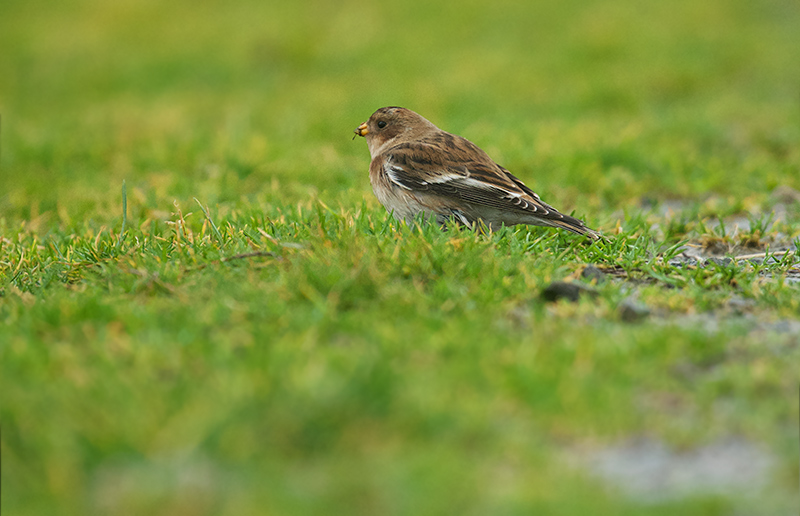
(204, 310)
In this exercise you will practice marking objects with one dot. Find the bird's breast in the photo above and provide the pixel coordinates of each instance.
(402, 203)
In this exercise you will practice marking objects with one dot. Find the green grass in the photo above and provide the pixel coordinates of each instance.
(204, 310)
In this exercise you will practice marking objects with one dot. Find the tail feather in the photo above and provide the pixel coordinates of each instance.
(577, 226)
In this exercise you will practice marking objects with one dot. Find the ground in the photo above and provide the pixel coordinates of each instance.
(204, 310)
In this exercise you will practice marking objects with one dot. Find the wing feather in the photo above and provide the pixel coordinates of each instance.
(453, 167)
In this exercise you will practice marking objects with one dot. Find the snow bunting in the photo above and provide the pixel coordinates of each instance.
(418, 168)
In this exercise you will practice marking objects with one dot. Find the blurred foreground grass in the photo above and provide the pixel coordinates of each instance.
(293, 351)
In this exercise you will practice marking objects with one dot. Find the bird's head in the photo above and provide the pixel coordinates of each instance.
(390, 125)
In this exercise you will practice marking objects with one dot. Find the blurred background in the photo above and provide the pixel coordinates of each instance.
(603, 107)
(597, 104)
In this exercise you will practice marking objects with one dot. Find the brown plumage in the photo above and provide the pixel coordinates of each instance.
(418, 168)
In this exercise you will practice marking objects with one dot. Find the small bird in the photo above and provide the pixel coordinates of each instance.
(418, 168)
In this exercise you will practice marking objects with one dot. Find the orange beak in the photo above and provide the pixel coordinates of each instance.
(362, 130)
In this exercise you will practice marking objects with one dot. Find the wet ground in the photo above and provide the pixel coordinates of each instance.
(650, 471)
(746, 240)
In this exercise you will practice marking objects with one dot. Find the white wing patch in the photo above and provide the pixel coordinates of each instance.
(392, 171)
(462, 184)
(395, 171)
(446, 178)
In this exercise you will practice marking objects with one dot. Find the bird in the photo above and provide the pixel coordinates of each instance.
(417, 168)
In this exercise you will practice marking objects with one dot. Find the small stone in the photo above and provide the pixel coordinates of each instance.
(569, 291)
(683, 261)
(593, 273)
(740, 305)
(786, 194)
(630, 311)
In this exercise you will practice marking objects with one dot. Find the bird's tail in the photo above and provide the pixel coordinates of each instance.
(576, 226)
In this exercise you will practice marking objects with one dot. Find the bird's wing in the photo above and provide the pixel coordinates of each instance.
(453, 167)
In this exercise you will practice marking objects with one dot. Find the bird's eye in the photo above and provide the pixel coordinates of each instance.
(381, 124)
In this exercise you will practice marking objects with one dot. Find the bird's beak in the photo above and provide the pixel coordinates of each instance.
(362, 130)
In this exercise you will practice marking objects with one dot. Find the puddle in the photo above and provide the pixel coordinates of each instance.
(649, 471)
